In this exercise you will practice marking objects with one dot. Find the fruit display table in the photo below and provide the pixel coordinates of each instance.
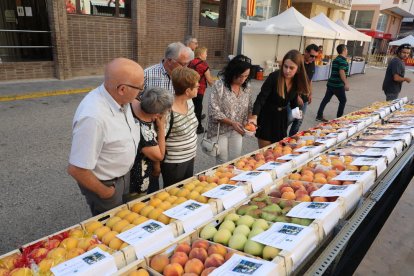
(321, 195)
(321, 72)
(357, 67)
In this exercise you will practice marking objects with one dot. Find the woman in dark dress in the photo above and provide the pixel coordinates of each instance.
(149, 114)
(280, 89)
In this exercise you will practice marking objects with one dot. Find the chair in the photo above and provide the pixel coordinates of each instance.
(270, 67)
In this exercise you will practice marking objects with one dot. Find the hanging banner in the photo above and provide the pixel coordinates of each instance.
(251, 7)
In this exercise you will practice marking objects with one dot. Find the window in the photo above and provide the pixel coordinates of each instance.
(24, 34)
(361, 19)
(382, 22)
(117, 8)
(265, 9)
(213, 13)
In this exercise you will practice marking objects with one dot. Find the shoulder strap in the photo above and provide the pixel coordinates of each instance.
(171, 124)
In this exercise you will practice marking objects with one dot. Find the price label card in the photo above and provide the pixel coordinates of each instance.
(329, 190)
(389, 144)
(312, 210)
(239, 265)
(148, 237)
(352, 176)
(230, 195)
(94, 262)
(285, 236)
(191, 214)
(404, 131)
(393, 108)
(259, 180)
(382, 113)
(327, 142)
(388, 152)
(288, 157)
(401, 136)
(281, 169)
(379, 163)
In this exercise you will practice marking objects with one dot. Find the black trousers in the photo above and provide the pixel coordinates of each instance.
(198, 107)
(176, 172)
(330, 92)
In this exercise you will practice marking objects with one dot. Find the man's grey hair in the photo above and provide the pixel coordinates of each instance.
(188, 40)
(156, 100)
(174, 50)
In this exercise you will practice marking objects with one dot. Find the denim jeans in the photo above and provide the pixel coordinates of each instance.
(340, 94)
(296, 123)
(230, 145)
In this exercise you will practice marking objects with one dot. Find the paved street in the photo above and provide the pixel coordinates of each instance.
(39, 198)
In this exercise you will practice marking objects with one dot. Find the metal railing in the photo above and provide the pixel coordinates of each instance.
(27, 46)
(378, 60)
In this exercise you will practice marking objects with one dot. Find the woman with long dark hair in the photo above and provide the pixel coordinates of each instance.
(280, 89)
(230, 107)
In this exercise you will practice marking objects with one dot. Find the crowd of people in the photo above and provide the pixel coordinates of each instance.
(140, 124)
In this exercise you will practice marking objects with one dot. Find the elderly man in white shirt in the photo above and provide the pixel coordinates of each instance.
(105, 137)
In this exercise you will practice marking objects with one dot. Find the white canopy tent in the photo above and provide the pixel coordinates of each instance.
(359, 35)
(271, 39)
(408, 39)
(341, 33)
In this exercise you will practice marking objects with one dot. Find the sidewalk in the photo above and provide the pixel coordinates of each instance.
(25, 89)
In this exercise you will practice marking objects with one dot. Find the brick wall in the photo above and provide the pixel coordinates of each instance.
(95, 40)
(26, 70)
(213, 39)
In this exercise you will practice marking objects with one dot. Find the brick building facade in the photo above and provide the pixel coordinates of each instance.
(83, 44)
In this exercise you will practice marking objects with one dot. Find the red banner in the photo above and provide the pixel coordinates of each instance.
(251, 7)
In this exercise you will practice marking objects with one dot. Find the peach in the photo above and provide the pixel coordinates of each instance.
(37, 255)
(198, 253)
(179, 257)
(57, 254)
(307, 177)
(23, 271)
(50, 244)
(123, 213)
(296, 185)
(162, 195)
(286, 189)
(195, 266)
(165, 205)
(159, 262)
(139, 272)
(115, 243)
(155, 213)
(85, 243)
(321, 180)
(201, 244)
(304, 198)
(228, 255)
(214, 260)
(320, 174)
(348, 182)
(131, 217)
(171, 199)
(101, 231)
(173, 270)
(294, 176)
(207, 271)
(74, 252)
(183, 247)
(69, 243)
(288, 195)
(217, 249)
(146, 210)
(139, 220)
(334, 182)
(211, 179)
(319, 199)
(92, 226)
(339, 167)
(164, 219)
(300, 193)
(136, 208)
(202, 177)
(155, 202)
(44, 266)
(76, 233)
(4, 272)
(120, 225)
(111, 222)
(109, 236)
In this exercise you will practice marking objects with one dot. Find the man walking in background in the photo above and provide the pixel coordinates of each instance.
(337, 83)
(394, 76)
(191, 42)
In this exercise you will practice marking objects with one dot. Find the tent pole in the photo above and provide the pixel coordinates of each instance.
(368, 54)
(352, 59)
(300, 43)
(277, 47)
(330, 66)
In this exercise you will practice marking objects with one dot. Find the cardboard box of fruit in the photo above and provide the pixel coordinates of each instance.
(137, 268)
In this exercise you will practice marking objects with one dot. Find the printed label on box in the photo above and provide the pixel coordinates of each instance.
(148, 237)
(379, 163)
(258, 179)
(191, 213)
(352, 176)
(242, 265)
(312, 210)
(329, 190)
(284, 236)
(230, 195)
(93, 262)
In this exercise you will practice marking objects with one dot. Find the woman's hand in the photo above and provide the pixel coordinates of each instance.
(252, 119)
(237, 127)
(160, 121)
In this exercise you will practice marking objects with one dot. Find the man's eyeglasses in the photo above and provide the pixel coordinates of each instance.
(131, 86)
(181, 63)
(312, 56)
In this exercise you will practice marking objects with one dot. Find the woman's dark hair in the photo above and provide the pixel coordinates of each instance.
(234, 69)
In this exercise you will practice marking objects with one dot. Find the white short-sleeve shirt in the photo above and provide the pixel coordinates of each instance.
(105, 137)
